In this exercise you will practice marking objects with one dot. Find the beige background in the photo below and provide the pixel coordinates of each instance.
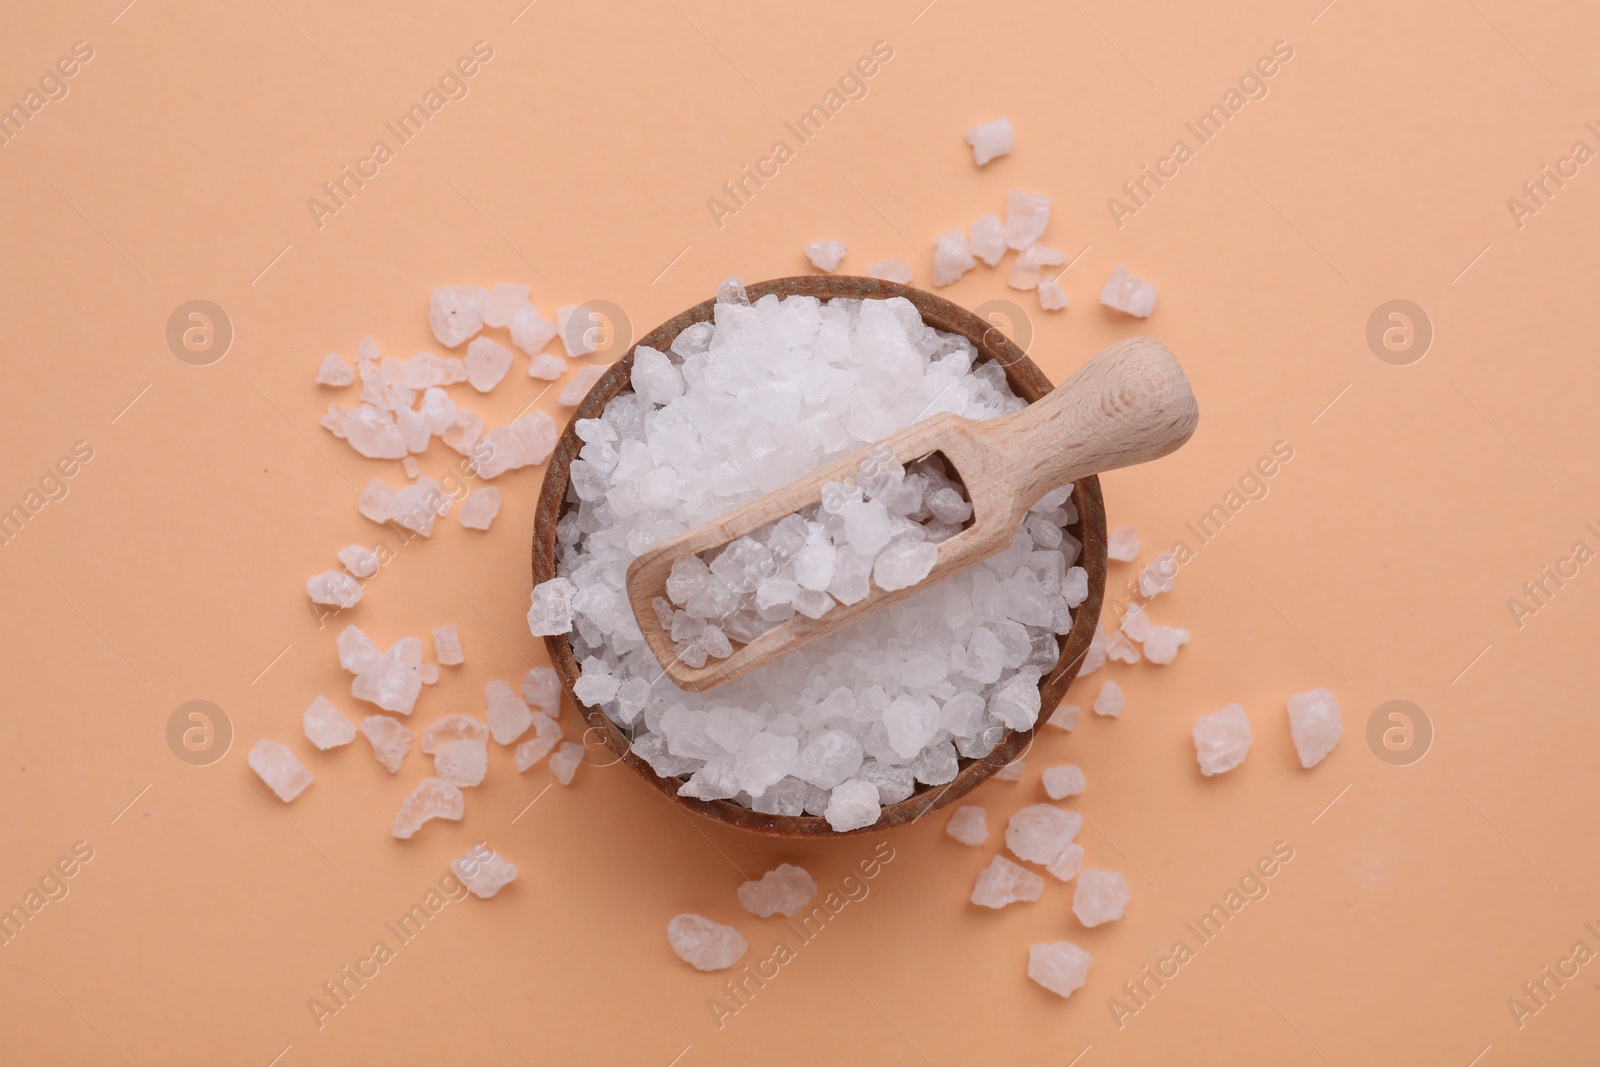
(1380, 564)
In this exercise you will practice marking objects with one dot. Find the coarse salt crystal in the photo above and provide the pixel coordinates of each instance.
(508, 716)
(891, 270)
(359, 560)
(1065, 717)
(575, 390)
(1161, 644)
(546, 367)
(951, 257)
(431, 799)
(1003, 882)
(279, 769)
(1039, 832)
(484, 871)
(1315, 725)
(969, 825)
(542, 689)
(705, 945)
(480, 508)
(334, 371)
(1027, 215)
(1066, 866)
(852, 805)
(1030, 264)
(1059, 966)
(487, 362)
(1101, 897)
(447, 645)
(986, 238)
(531, 331)
(334, 588)
(1011, 772)
(784, 890)
(1052, 297)
(503, 302)
(1125, 293)
(825, 255)
(1123, 544)
(325, 727)
(990, 140)
(456, 313)
(564, 763)
(1222, 739)
(1063, 781)
(547, 734)
(450, 729)
(462, 763)
(1111, 700)
(390, 741)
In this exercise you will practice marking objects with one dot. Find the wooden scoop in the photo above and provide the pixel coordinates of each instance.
(1129, 404)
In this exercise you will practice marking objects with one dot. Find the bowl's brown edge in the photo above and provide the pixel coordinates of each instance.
(1025, 378)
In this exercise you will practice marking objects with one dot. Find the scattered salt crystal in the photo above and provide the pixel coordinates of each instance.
(852, 805)
(431, 799)
(325, 727)
(483, 870)
(578, 388)
(551, 612)
(705, 945)
(462, 763)
(1029, 265)
(990, 140)
(1065, 717)
(1027, 214)
(1123, 544)
(1111, 700)
(450, 729)
(784, 890)
(1011, 772)
(487, 362)
(503, 302)
(969, 825)
(390, 741)
(359, 560)
(531, 331)
(334, 587)
(429, 673)
(546, 367)
(1161, 644)
(564, 764)
(1101, 896)
(391, 681)
(1066, 866)
(334, 371)
(891, 270)
(542, 689)
(1003, 882)
(986, 238)
(375, 500)
(1222, 739)
(1063, 781)
(447, 645)
(1039, 832)
(1052, 297)
(456, 313)
(508, 716)
(480, 508)
(1128, 294)
(547, 733)
(1315, 725)
(951, 257)
(825, 255)
(410, 467)
(357, 651)
(1158, 576)
(278, 767)
(1059, 966)
(579, 329)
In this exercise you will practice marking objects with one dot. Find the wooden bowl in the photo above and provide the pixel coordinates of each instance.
(1026, 380)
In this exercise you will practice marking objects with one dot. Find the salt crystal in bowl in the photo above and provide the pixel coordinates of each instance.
(1024, 378)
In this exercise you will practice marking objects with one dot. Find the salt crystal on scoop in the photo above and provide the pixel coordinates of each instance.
(1039, 832)
(990, 140)
(1059, 966)
(456, 313)
(447, 646)
(390, 741)
(546, 367)
(706, 945)
(334, 587)
(480, 508)
(278, 767)
(503, 302)
(542, 689)
(1101, 896)
(951, 257)
(904, 564)
(1027, 214)
(359, 560)
(508, 716)
(450, 729)
(1052, 297)
(1128, 294)
(785, 890)
(891, 270)
(431, 799)
(564, 764)
(1003, 882)
(391, 681)
(852, 805)
(1314, 723)
(487, 362)
(825, 255)
(1067, 865)
(1222, 739)
(1123, 544)
(484, 871)
(335, 371)
(462, 763)
(986, 238)
(547, 733)
(325, 727)
(1110, 701)
(575, 390)
(551, 612)
(1063, 781)
(969, 825)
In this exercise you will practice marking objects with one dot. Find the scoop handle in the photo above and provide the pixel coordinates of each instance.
(1130, 404)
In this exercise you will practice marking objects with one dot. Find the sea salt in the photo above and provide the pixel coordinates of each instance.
(705, 945)
(542, 689)
(1029, 265)
(357, 651)
(1315, 725)
(450, 729)
(1125, 293)
(546, 367)
(487, 362)
(447, 646)
(1065, 717)
(1123, 544)
(1066, 866)
(1052, 297)
(480, 508)
(551, 612)
(578, 388)
(1161, 644)
(391, 680)
(547, 734)
(1158, 576)
(951, 257)
(852, 805)
(462, 763)
(1063, 781)
(390, 741)
(1059, 966)
(969, 825)
(1027, 214)
(891, 270)
(1011, 772)
(335, 588)
(531, 331)
(986, 238)
(484, 871)
(279, 769)
(335, 372)
(1039, 832)
(1101, 897)
(503, 303)
(456, 313)
(564, 763)
(1111, 700)
(508, 717)
(1003, 882)
(325, 727)
(990, 140)
(784, 890)
(1222, 739)
(431, 799)
(825, 255)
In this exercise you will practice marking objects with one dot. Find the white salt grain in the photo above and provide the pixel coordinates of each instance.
(391, 680)
(462, 763)
(334, 588)
(825, 255)
(359, 560)
(1128, 294)
(1059, 966)
(969, 825)
(390, 741)
(852, 805)
(456, 313)
(578, 388)
(1063, 781)
(546, 367)
(1161, 644)
(986, 238)
(547, 734)
(480, 508)
(1027, 214)
(542, 689)
(357, 651)
(1065, 717)
(484, 871)
(1003, 882)
(431, 799)
(705, 945)
(1315, 725)
(951, 257)
(564, 764)
(503, 302)
(1029, 265)
(891, 270)
(551, 612)
(531, 331)
(1066, 866)
(487, 362)
(1052, 297)
(990, 140)
(1123, 544)
(1111, 700)
(1101, 897)
(447, 646)
(903, 565)
(1039, 832)
(1158, 576)
(508, 716)
(279, 769)
(325, 727)
(450, 729)
(784, 890)
(1222, 739)
(334, 371)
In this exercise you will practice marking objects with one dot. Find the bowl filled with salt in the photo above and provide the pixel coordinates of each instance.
(889, 718)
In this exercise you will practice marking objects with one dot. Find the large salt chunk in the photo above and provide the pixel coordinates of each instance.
(911, 722)
(524, 443)
(357, 651)
(551, 612)
(1101, 896)
(547, 734)
(484, 871)
(1003, 882)
(784, 890)
(447, 645)
(334, 371)
(431, 799)
(334, 587)
(450, 729)
(852, 805)
(1161, 644)
(1125, 293)
(656, 377)
(390, 741)
(392, 680)
(1315, 725)
(487, 362)
(904, 564)
(891, 270)
(325, 727)
(830, 758)
(508, 716)
(462, 763)
(969, 825)
(990, 140)
(1222, 739)
(764, 760)
(951, 257)
(278, 767)
(1059, 966)
(1063, 781)
(1039, 832)
(1111, 700)
(705, 945)
(825, 255)
(1027, 214)
(456, 313)
(564, 764)
(986, 238)
(480, 508)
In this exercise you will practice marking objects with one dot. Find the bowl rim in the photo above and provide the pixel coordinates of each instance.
(1025, 379)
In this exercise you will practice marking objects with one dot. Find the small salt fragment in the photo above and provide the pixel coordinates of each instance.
(1052, 297)
(990, 140)
(575, 390)
(579, 329)
(825, 255)
(431, 799)
(1039, 832)
(1059, 966)
(551, 612)
(1315, 725)
(1063, 781)
(1222, 739)
(480, 508)
(503, 302)
(456, 313)
(325, 727)
(986, 238)
(1065, 717)
(484, 871)
(279, 769)
(1101, 897)
(334, 371)
(784, 890)
(508, 716)
(450, 729)
(904, 564)
(542, 689)
(1011, 772)
(487, 362)
(1027, 214)
(1029, 265)
(390, 741)
(462, 763)
(969, 825)
(1003, 882)
(564, 763)
(359, 560)
(375, 500)
(891, 270)
(1066, 866)
(1123, 544)
(447, 645)
(334, 588)
(852, 805)
(1161, 644)
(410, 467)
(1111, 700)
(546, 367)
(1128, 294)
(705, 945)
(531, 331)
(547, 734)
(951, 257)
(429, 673)
(357, 651)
